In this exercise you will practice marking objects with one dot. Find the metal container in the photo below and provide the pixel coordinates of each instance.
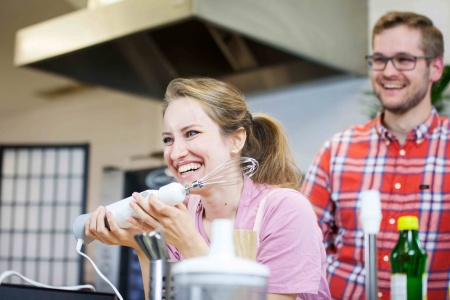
(161, 282)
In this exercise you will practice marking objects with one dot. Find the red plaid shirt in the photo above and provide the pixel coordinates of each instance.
(413, 179)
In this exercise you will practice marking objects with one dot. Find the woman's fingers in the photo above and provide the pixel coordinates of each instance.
(100, 226)
(87, 231)
(144, 203)
(162, 209)
(104, 234)
(91, 224)
(142, 226)
(114, 229)
(153, 213)
(143, 216)
(95, 227)
(145, 209)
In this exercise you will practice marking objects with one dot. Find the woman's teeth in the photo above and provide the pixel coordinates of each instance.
(189, 167)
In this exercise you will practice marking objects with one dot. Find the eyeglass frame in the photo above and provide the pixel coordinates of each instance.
(391, 58)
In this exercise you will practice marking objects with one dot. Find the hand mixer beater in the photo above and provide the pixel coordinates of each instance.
(229, 173)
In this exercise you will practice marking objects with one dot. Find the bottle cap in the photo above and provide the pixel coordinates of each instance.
(408, 223)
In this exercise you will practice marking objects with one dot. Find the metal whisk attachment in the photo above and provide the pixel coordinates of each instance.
(228, 173)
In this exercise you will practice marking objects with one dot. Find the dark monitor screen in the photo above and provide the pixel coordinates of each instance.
(26, 292)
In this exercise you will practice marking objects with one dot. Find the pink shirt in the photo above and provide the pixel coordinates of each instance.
(290, 240)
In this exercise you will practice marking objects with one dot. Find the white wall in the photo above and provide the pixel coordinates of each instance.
(116, 126)
(312, 113)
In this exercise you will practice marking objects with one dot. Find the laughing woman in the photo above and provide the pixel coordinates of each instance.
(206, 123)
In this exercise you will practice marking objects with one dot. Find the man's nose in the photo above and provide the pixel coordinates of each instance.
(390, 68)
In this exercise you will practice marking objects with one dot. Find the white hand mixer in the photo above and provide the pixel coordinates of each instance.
(228, 173)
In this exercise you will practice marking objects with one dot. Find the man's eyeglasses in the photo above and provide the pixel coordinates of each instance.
(402, 62)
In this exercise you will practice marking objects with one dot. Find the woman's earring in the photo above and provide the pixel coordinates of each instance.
(233, 151)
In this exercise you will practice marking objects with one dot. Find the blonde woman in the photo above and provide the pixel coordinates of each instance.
(206, 123)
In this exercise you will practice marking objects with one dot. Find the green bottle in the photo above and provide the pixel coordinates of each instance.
(408, 263)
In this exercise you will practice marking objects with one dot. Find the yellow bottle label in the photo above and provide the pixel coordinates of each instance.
(398, 287)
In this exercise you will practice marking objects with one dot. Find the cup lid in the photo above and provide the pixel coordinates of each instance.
(230, 265)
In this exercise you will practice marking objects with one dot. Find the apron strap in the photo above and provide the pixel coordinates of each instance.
(259, 215)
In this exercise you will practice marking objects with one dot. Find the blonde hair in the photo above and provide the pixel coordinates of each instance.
(266, 140)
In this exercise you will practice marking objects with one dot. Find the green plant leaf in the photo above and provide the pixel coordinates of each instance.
(438, 98)
(439, 86)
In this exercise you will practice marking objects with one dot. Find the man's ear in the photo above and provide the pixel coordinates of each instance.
(238, 140)
(436, 68)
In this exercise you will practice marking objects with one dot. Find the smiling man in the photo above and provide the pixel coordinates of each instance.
(404, 153)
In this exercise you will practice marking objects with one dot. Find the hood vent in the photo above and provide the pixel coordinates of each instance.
(110, 46)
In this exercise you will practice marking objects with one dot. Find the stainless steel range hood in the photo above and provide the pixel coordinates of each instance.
(138, 46)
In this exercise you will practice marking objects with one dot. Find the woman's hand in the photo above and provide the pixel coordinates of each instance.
(175, 222)
(96, 228)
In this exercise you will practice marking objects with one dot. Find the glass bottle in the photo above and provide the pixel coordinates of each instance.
(408, 263)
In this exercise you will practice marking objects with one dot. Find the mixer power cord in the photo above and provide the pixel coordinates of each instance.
(79, 245)
(80, 242)
(8, 273)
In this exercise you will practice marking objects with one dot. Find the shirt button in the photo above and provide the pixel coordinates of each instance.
(386, 258)
(380, 294)
(402, 152)
(397, 186)
(392, 221)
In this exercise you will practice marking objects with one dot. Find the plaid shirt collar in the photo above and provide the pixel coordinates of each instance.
(417, 134)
